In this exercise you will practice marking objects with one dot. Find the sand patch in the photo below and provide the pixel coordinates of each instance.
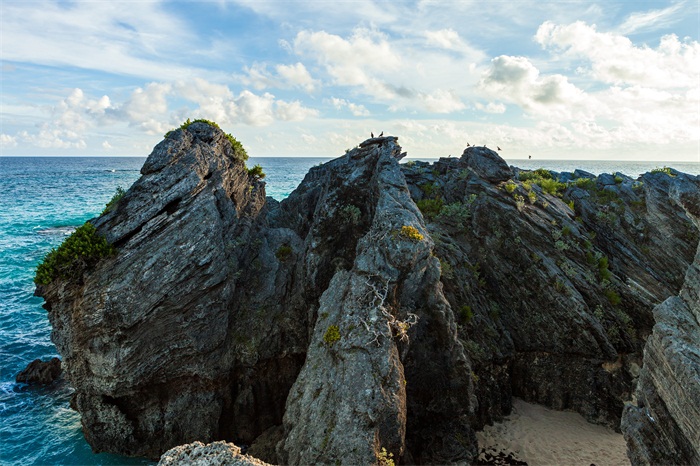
(541, 436)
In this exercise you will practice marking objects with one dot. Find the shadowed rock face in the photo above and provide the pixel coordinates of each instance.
(40, 372)
(553, 302)
(338, 322)
(663, 425)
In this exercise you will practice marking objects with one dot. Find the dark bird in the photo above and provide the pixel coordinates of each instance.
(382, 134)
(498, 148)
(372, 134)
(529, 156)
(468, 145)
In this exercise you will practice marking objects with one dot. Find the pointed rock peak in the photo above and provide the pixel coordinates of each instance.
(487, 164)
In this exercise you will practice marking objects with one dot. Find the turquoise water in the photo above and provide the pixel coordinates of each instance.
(41, 200)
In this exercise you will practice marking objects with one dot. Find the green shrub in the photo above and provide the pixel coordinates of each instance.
(332, 335)
(551, 186)
(666, 170)
(83, 249)
(256, 172)
(532, 196)
(618, 179)
(430, 189)
(605, 273)
(283, 252)
(510, 186)
(457, 214)
(613, 297)
(584, 183)
(113, 202)
(465, 314)
(430, 208)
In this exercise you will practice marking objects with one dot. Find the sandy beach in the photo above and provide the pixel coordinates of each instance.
(541, 436)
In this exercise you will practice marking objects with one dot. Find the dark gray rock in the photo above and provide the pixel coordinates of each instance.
(663, 425)
(554, 304)
(486, 163)
(40, 372)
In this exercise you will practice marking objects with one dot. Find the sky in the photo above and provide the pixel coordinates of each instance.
(567, 79)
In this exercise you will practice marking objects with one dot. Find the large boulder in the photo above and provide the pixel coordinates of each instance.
(40, 372)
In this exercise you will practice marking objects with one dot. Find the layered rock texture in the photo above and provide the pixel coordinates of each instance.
(380, 311)
(663, 425)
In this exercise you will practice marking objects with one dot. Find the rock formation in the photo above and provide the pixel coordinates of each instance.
(663, 425)
(213, 454)
(40, 372)
(381, 310)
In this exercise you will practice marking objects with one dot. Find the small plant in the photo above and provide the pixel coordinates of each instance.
(446, 269)
(510, 186)
(613, 296)
(465, 314)
(411, 163)
(603, 270)
(430, 189)
(385, 458)
(256, 173)
(332, 335)
(430, 208)
(618, 179)
(666, 170)
(411, 233)
(113, 202)
(584, 183)
(283, 252)
(519, 202)
(83, 249)
(570, 203)
(532, 197)
(351, 214)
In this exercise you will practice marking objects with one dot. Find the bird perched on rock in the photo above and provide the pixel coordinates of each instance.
(382, 134)
(468, 145)
(372, 134)
(498, 148)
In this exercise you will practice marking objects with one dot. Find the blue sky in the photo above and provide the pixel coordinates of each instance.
(553, 79)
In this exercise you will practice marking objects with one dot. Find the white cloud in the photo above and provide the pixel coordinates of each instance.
(293, 111)
(8, 141)
(125, 38)
(516, 79)
(106, 145)
(284, 77)
(297, 75)
(355, 109)
(653, 19)
(491, 107)
(615, 59)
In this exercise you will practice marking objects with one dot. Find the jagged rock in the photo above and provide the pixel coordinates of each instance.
(40, 372)
(144, 335)
(213, 454)
(341, 323)
(554, 304)
(663, 425)
(486, 163)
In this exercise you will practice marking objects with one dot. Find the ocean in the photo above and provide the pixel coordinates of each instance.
(42, 199)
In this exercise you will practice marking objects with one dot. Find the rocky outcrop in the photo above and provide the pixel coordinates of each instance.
(663, 425)
(40, 372)
(380, 311)
(213, 454)
(552, 284)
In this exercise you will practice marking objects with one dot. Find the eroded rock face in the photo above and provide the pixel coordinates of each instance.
(213, 454)
(144, 335)
(40, 372)
(663, 425)
(342, 322)
(553, 296)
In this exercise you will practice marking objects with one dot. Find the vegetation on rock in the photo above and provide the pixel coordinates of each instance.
(238, 149)
(113, 202)
(256, 172)
(83, 249)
